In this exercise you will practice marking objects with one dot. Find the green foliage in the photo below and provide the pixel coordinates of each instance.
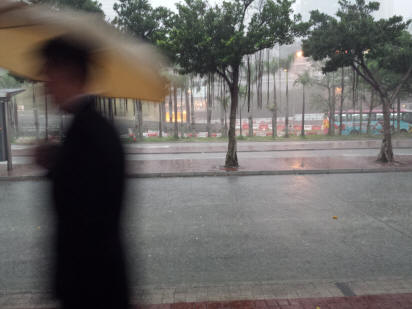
(140, 19)
(209, 39)
(355, 39)
(92, 6)
(303, 79)
(8, 81)
(286, 63)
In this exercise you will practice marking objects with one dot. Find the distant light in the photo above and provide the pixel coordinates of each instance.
(285, 70)
(299, 54)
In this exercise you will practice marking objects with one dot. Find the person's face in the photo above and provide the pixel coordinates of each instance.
(62, 83)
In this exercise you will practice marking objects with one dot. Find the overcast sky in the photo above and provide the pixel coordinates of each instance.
(402, 7)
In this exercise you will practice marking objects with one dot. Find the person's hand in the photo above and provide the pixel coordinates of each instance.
(45, 155)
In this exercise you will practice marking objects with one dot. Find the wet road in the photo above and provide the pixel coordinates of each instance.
(232, 229)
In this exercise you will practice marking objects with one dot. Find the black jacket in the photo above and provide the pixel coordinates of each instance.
(88, 189)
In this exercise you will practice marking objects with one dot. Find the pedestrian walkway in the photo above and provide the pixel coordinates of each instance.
(209, 166)
(216, 147)
(397, 301)
(248, 167)
(394, 301)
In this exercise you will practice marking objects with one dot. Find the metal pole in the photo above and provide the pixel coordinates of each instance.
(7, 136)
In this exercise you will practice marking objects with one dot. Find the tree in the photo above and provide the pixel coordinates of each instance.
(215, 39)
(342, 100)
(354, 39)
(285, 65)
(327, 81)
(303, 80)
(140, 19)
(9, 81)
(273, 68)
(91, 6)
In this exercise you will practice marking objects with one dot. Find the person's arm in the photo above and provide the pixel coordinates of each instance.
(46, 155)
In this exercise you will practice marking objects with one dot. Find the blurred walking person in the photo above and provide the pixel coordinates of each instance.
(87, 174)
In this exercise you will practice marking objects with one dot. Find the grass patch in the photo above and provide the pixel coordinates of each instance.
(268, 138)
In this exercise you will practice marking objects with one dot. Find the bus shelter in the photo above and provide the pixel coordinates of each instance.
(5, 148)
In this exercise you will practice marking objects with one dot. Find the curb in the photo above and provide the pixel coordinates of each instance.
(267, 173)
(259, 150)
(234, 173)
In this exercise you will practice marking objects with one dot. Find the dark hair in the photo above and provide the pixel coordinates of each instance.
(64, 51)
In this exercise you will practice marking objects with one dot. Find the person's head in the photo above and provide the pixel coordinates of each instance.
(66, 68)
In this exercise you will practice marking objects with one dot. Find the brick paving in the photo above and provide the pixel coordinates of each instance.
(380, 293)
(390, 301)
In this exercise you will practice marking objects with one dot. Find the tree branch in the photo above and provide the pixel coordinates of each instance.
(398, 88)
(372, 82)
(223, 74)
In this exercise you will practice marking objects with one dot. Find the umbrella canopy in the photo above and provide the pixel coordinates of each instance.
(122, 67)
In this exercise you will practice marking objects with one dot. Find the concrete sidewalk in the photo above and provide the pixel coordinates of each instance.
(191, 167)
(248, 167)
(217, 147)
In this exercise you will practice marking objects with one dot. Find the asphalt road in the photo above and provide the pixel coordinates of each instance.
(232, 229)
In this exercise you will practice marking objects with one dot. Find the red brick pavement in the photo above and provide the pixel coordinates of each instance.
(394, 301)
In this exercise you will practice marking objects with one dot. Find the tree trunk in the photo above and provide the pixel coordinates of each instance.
(361, 114)
(386, 152)
(46, 117)
(330, 110)
(176, 125)
(268, 80)
(398, 120)
(368, 126)
(342, 99)
(333, 109)
(140, 118)
(249, 109)
(188, 114)
(280, 88)
(181, 114)
(231, 156)
(192, 105)
(303, 114)
(259, 79)
(35, 113)
(170, 107)
(209, 105)
(161, 119)
(240, 119)
(287, 106)
(274, 110)
(222, 106)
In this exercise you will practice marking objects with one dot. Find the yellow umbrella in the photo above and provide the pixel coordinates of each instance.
(123, 67)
